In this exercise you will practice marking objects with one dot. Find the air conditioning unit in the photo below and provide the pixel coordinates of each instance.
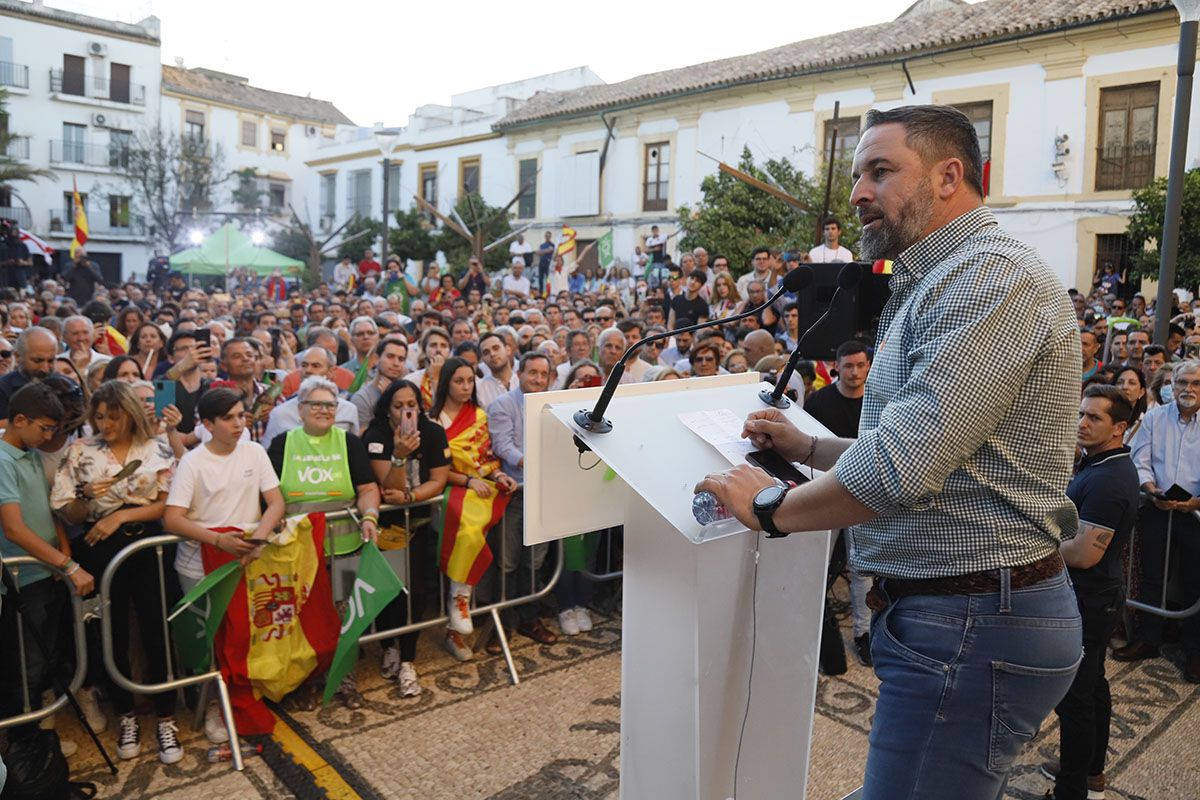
(99, 121)
(97, 49)
(310, 131)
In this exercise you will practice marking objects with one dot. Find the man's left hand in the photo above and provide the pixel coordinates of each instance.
(735, 489)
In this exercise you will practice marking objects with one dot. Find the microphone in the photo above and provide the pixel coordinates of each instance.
(594, 422)
(847, 279)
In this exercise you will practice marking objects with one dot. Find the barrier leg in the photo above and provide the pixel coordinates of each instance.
(503, 637)
(201, 707)
(235, 745)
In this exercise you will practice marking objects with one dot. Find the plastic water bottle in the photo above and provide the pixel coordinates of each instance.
(707, 509)
(223, 752)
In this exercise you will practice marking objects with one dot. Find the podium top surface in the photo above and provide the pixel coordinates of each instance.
(656, 455)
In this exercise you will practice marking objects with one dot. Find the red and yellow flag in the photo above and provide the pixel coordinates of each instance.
(117, 343)
(567, 243)
(281, 625)
(81, 225)
(467, 517)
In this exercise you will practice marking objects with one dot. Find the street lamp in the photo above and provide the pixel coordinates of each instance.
(1189, 20)
(196, 237)
(257, 237)
(386, 139)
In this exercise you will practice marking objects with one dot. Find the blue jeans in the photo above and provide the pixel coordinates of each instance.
(965, 681)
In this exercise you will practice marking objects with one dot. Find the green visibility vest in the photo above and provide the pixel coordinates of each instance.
(316, 477)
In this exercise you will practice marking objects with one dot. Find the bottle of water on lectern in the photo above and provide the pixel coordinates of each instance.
(707, 509)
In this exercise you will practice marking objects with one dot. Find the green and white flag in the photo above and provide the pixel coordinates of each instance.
(194, 633)
(375, 586)
(604, 250)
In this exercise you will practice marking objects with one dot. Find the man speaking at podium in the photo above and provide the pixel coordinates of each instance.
(955, 486)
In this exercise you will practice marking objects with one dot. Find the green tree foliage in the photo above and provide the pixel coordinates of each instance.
(733, 217)
(477, 214)
(246, 195)
(11, 170)
(1146, 224)
(353, 244)
(409, 236)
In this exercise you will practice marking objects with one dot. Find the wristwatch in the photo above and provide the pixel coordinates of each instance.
(765, 503)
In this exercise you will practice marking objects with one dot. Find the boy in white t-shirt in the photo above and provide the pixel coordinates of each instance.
(830, 251)
(219, 485)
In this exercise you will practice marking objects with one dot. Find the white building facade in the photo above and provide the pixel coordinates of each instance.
(78, 88)
(1073, 115)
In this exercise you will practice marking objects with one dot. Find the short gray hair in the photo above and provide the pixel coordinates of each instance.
(314, 383)
(363, 320)
(79, 318)
(21, 346)
(330, 358)
(1187, 365)
(608, 333)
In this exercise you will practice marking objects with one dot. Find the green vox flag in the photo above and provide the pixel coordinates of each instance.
(194, 632)
(604, 250)
(375, 586)
(360, 377)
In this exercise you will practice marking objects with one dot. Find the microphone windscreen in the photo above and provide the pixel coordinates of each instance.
(849, 276)
(799, 278)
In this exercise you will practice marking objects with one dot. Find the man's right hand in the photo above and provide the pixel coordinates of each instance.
(234, 545)
(82, 581)
(771, 430)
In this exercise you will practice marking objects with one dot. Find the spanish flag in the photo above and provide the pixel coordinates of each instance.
(467, 517)
(281, 625)
(566, 249)
(81, 225)
(117, 343)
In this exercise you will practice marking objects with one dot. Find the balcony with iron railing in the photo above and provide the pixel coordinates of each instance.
(97, 87)
(1124, 166)
(105, 156)
(101, 223)
(15, 76)
(20, 214)
(18, 148)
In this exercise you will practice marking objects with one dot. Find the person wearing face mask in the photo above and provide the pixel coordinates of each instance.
(1166, 451)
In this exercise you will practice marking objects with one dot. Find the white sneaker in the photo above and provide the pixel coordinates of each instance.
(391, 668)
(67, 747)
(409, 686)
(567, 623)
(583, 619)
(456, 647)
(214, 724)
(169, 749)
(89, 701)
(460, 608)
(129, 737)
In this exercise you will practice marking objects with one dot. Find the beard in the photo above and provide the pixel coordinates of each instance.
(892, 236)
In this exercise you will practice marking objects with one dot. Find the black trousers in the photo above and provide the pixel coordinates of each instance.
(422, 585)
(1185, 553)
(135, 592)
(1085, 712)
(44, 610)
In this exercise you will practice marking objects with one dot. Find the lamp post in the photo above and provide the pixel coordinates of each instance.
(1189, 19)
(386, 140)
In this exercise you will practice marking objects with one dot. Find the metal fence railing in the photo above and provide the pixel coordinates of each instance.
(1132, 590)
(29, 714)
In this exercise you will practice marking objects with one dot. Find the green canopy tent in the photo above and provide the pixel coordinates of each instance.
(229, 249)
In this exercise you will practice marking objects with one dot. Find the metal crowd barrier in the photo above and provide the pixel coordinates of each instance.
(172, 683)
(30, 715)
(610, 572)
(1159, 610)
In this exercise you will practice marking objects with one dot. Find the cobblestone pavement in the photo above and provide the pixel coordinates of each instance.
(471, 734)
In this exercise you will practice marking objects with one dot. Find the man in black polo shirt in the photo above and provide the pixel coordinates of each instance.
(34, 351)
(838, 407)
(1105, 491)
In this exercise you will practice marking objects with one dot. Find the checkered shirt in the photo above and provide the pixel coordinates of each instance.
(968, 423)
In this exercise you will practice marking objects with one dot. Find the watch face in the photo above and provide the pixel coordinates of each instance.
(769, 496)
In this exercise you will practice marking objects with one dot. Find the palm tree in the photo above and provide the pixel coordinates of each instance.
(12, 170)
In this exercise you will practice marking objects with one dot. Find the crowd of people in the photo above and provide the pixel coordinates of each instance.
(144, 407)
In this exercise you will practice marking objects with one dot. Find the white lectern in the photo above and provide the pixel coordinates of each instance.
(689, 615)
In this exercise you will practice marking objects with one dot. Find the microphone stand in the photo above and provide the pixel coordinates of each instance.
(594, 421)
(848, 278)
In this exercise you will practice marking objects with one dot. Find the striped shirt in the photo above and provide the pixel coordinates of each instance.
(968, 425)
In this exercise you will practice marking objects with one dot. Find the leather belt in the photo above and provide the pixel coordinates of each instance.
(885, 590)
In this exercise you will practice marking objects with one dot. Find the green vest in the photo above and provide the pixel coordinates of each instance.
(316, 477)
